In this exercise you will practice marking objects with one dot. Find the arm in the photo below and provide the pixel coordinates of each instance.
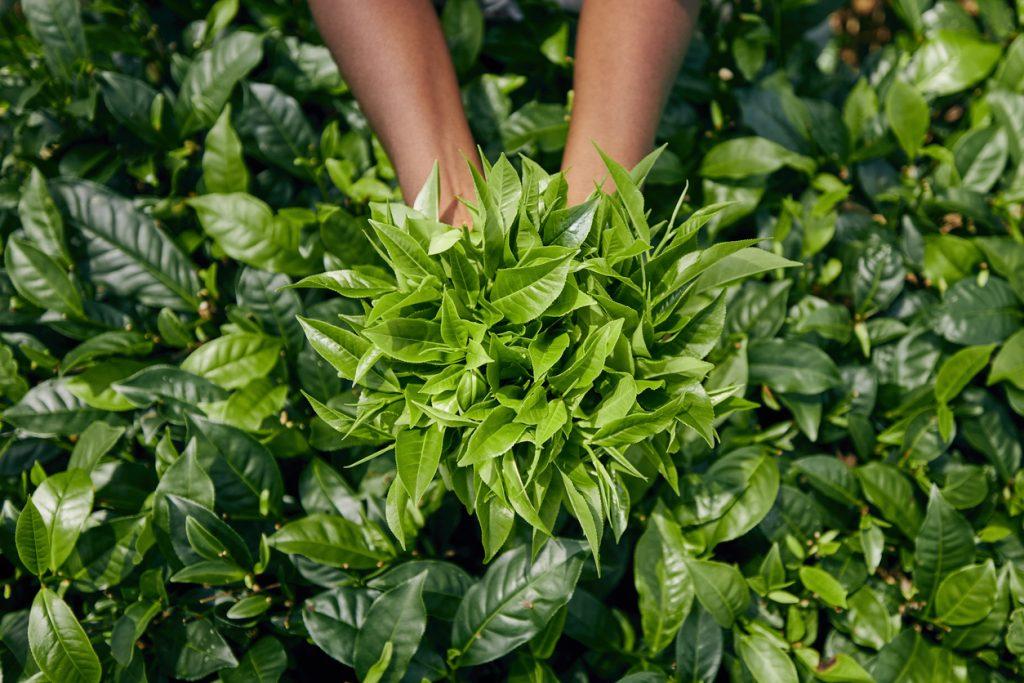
(627, 56)
(393, 56)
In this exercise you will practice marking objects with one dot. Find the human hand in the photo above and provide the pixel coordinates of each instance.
(456, 214)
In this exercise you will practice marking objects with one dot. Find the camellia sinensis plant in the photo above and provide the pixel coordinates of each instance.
(173, 508)
(537, 360)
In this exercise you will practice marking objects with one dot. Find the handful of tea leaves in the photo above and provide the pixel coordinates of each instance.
(537, 359)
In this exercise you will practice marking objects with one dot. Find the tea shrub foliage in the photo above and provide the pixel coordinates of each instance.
(756, 416)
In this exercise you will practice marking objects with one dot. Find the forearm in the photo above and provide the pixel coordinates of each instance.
(393, 56)
(627, 57)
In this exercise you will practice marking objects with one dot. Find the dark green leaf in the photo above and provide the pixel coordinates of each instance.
(127, 251)
(58, 643)
(698, 647)
(57, 25)
(396, 618)
(334, 618)
(264, 662)
(514, 600)
(212, 76)
(974, 314)
(944, 543)
(791, 366)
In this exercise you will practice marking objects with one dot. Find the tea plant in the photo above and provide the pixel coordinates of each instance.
(259, 419)
(555, 346)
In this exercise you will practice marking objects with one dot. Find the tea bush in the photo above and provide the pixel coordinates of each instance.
(262, 422)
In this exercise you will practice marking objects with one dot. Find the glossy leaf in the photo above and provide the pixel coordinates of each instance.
(40, 279)
(952, 61)
(959, 369)
(944, 543)
(396, 618)
(57, 25)
(514, 600)
(58, 643)
(264, 662)
(33, 539)
(765, 660)
(1008, 364)
(234, 360)
(417, 453)
(907, 112)
(524, 292)
(334, 618)
(127, 250)
(662, 581)
(699, 646)
(211, 77)
(966, 595)
(334, 541)
(823, 585)
(247, 229)
(223, 165)
(720, 588)
(63, 501)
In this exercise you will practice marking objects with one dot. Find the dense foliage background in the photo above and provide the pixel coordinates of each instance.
(169, 167)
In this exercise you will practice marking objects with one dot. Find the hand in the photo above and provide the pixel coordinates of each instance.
(456, 214)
